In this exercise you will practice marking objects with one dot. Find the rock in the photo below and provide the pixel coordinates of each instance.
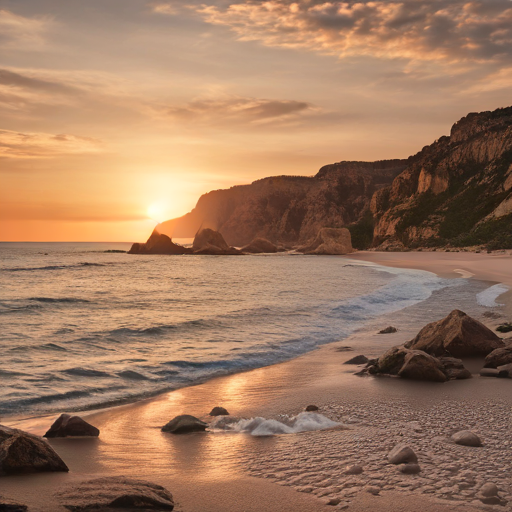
(219, 411)
(454, 368)
(456, 335)
(492, 500)
(506, 368)
(409, 469)
(7, 505)
(21, 452)
(158, 244)
(421, 366)
(402, 454)
(183, 424)
(372, 490)
(311, 408)
(66, 425)
(391, 362)
(208, 241)
(356, 469)
(489, 489)
(259, 246)
(466, 438)
(116, 492)
(388, 330)
(330, 241)
(493, 372)
(499, 357)
(333, 501)
(357, 360)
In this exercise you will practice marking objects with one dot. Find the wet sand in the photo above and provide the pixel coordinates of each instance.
(238, 472)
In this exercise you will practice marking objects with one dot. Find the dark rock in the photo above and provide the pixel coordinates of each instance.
(21, 452)
(506, 368)
(66, 425)
(493, 372)
(183, 424)
(409, 469)
(357, 360)
(259, 246)
(499, 357)
(454, 368)
(344, 349)
(466, 438)
(353, 470)
(419, 365)
(506, 327)
(219, 411)
(311, 408)
(330, 241)
(116, 492)
(7, 505)
(489, 489)
(388, 330)
(457, 335)
(392, 361)
(159, 244)
(210, 242)
(402, 454)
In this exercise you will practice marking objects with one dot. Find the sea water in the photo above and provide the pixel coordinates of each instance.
(84, 328)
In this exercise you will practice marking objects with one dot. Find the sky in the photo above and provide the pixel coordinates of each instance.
(117, 114)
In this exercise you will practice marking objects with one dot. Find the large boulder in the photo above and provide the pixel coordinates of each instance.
(158, 243)
(499, 357)
(330, 241)
(208, 241)
(115, 492)
(66, 425)
(259, 246)
(391, 362)
(184, 424)
(419, 365)
(456, 335)
(21, 452)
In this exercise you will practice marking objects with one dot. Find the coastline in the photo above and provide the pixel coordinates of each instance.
(218, 471)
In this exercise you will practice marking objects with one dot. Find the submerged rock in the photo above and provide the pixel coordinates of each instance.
(456, 335)
(210, 242)
(116, 492)
(66, 425)
(357, 360)
(219, 411)
(402, 454)
(184, 424)
(260, 246)
(21, 452)
(466, 438)
(311, 408)
(158, 243)
(330, 241)
(388, 330)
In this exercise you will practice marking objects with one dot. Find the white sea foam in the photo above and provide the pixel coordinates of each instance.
(488, 297)
(303, 422)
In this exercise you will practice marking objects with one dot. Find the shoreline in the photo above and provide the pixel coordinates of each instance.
(218, 471)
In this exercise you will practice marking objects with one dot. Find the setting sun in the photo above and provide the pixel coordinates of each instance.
(158, 212)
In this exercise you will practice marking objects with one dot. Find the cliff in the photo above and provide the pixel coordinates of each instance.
(457, 191)
(289, 209)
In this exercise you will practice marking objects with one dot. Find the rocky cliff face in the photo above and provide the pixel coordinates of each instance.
(457, 191)
(289, 209)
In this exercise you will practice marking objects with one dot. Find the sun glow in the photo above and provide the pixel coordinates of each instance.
(158, 212)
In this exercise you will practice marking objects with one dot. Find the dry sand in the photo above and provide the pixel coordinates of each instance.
(230, 472)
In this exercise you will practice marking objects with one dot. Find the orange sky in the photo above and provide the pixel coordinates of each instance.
(114, 115)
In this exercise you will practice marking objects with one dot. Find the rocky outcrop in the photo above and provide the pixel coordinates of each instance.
(184, 424)
(21, 452)
(260, 246)
(208, 241)
(115, 492)
(66, 425)
(330, 241)
(456, 335)
(457, 190)
(289, 209)
(158, 244)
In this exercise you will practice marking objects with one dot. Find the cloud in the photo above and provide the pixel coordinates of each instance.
(36, 145)
(20, 33)
(438, 30)
(238, 110)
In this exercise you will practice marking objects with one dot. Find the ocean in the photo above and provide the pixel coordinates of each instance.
(83, 328)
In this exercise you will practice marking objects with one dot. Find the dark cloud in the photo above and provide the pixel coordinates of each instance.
(13, 79)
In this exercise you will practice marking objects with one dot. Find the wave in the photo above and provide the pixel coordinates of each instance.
(86, 372)
(57, 300)
(54, 267)
(161, 329)
(488, 297)
(132, 375)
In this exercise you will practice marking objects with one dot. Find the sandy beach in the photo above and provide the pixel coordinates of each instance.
(234, 472)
